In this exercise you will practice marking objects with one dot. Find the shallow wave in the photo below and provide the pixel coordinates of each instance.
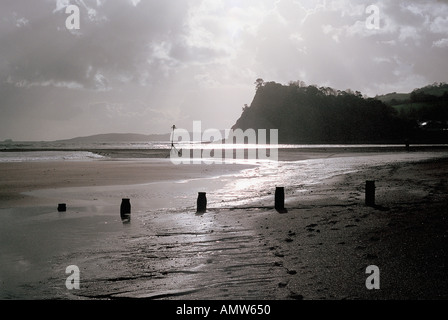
(26, 156)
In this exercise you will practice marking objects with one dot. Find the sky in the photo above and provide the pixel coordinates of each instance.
(137, 66)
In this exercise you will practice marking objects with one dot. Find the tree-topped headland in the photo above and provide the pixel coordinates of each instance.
(311, 114)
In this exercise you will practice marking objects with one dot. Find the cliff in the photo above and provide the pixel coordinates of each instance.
(311, 114)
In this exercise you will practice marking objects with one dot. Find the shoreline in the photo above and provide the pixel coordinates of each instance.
(284, 152)
(21, 177)
(302, 152)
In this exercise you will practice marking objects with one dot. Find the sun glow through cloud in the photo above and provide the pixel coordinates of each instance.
(198, 60)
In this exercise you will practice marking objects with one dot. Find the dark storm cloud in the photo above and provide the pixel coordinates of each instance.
(49, 73)
(113, 42)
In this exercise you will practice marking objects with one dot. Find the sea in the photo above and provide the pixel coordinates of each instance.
(18, 151)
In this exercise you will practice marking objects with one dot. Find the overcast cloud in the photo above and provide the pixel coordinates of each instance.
(142, 66)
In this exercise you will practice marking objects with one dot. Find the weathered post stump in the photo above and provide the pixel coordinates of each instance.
(125, 209)
(370, 193)
(201, 202)
(280, 199)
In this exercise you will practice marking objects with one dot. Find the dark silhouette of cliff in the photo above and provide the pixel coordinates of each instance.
(311, 114)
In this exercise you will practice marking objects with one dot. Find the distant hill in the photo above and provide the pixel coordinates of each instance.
(434, 90)
(387, 98)
(119, 137)
(127, 137)
(311, 114)
(427, 107)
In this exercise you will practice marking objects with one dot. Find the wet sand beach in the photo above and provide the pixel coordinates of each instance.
(319, 249)
(21, 177)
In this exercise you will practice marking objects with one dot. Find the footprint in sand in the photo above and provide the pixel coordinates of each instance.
(295, 296)
(278, 254)
(311, 227)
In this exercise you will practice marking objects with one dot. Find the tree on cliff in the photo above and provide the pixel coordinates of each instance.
(258, 83)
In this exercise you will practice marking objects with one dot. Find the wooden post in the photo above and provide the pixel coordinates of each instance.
(370, 193)
(62, 207)
(125, 209)
(201, 202)
(280, 199)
